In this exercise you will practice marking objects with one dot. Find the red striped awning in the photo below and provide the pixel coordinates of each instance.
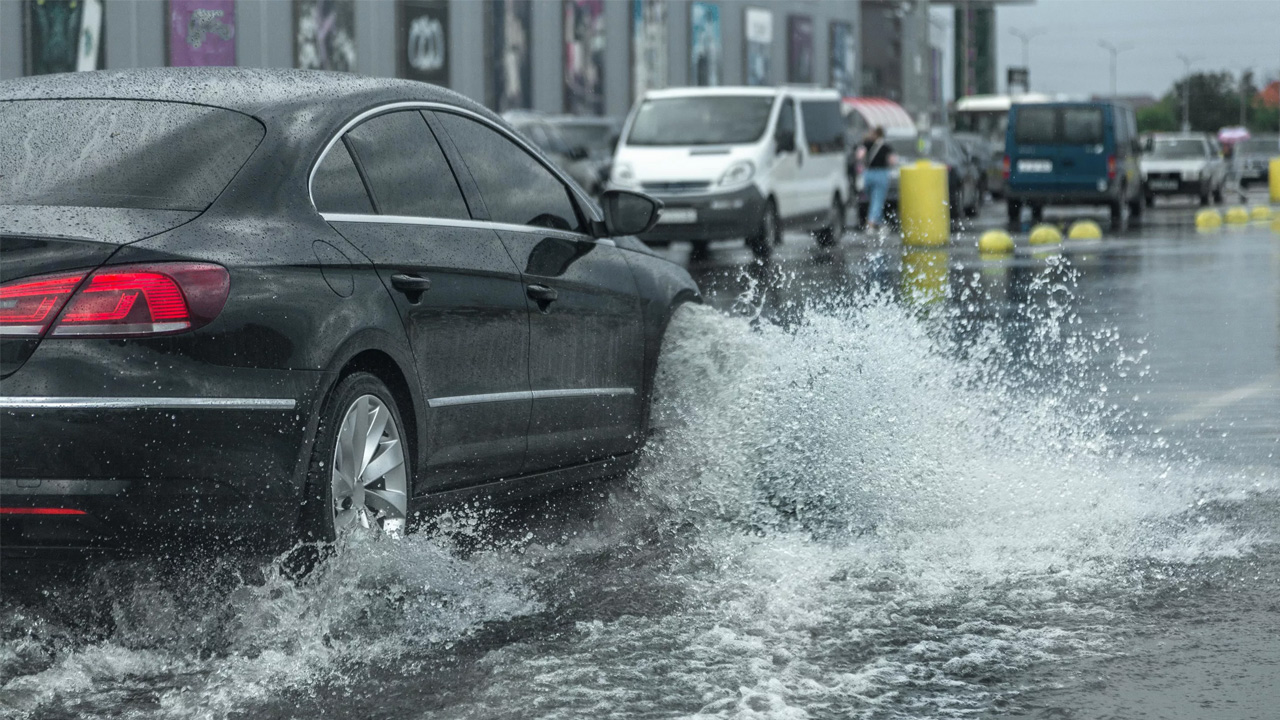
(879, 111)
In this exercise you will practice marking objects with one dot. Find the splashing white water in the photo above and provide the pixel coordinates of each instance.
(853, 519)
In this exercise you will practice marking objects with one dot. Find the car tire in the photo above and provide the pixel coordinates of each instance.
(767, 234)
(1204, 198)
(1217, 195)
(1136, 206)
(1014, 208)
(700, 251)
(1150, 201)
(1037, 212)
(350, 485)
(834, 230)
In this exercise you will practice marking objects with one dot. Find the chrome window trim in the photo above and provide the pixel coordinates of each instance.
(455, 400)
(144, 403)
(584, 202)
(450, 222)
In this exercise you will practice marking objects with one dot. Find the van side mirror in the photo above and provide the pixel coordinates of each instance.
(628, 213)
(786, 140)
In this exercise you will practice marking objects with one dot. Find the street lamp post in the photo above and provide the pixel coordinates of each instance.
(1025, 36)
(1115, 51)
(1186, 91)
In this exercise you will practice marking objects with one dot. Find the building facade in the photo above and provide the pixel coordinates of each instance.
(579, 56)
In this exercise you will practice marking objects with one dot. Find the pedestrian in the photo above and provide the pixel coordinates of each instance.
(878, 159)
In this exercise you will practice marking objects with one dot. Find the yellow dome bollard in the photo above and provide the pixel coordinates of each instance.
(1274, 169)
(1085, 230)
(995, 242)
(1275, 225)
(1045, 235)
(1208, 219)
(1260, 213)
(1237, 215)
(922, 204)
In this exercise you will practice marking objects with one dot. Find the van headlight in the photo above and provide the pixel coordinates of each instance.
(623, 175)
(737, 174)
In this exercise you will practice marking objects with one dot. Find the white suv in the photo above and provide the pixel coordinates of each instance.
(737, 162)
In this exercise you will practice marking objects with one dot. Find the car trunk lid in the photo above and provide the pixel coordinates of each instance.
(40, 240)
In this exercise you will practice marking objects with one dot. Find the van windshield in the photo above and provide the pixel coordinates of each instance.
(717, 120)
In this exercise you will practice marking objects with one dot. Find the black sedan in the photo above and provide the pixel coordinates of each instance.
(269, 305)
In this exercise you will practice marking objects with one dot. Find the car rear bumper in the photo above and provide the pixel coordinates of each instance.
(718, 216)
(1090, 196)
(178, 451)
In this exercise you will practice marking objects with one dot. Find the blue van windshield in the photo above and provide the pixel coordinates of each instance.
(1059, 125)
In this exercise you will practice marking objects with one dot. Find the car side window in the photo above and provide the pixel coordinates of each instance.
(787, 117)
(405, 167)
(337, 187)
(517, 188)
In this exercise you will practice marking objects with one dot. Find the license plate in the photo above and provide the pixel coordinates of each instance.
(678, 216)
(1035, 166)
(1163, 184)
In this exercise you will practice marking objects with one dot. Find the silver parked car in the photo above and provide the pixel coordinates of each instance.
(1183, 164)
(1253, 158)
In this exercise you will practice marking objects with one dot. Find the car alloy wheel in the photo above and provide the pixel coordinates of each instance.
(368, 478)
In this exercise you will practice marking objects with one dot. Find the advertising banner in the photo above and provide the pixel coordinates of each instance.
(62, 36)
(705, 49)
(584, 57)
(510, 85)
(758, 26)
(325, 34)
(648, 45)
(423, 30)
(799, 49)
(844, 59)
(202, 32)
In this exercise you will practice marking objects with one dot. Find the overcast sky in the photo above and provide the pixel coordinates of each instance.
(1223, 34)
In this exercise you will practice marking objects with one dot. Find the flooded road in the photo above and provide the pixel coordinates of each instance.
(884, 484)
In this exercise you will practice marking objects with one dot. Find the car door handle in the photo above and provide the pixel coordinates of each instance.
(542, 294)
(410, 283)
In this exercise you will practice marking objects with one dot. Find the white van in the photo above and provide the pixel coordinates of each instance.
(737, 162)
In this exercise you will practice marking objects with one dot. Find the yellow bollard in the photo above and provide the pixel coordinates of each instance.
(1260, 213)
(922, 204)
(1044, 235)
(1085, 230)
(1275, 179)
(924, 276)
(1208, 219)
(995, 242)
(1237, 215)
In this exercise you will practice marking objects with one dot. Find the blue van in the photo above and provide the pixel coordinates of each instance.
(1072, 153)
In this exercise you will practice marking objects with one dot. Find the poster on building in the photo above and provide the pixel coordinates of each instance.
(202, 32)
(62, 36)
(844, 59)
(648, 45)
(584, 57)
(758, 28)
(507, 61)
(705, 49)
(799, 49)
(423, 50)
(324, 34)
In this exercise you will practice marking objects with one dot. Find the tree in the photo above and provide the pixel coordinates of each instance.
(1161, 117)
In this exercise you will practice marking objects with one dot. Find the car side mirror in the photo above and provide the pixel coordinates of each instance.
(577, 152)
(628, 213)
(786, 140)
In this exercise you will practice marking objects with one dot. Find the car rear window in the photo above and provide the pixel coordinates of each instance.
(1036, 126)
(1059, 125)
(121, 153)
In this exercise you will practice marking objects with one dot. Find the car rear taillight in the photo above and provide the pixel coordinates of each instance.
(115, 301)
(40, 511)
(1004, 167)
(1111, 167)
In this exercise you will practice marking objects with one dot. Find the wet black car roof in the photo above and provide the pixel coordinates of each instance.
(268, 94)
